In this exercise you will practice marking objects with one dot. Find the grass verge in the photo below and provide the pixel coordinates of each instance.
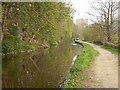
(111, 49)
(83, 61)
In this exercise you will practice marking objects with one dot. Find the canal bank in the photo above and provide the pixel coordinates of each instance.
(81, 64)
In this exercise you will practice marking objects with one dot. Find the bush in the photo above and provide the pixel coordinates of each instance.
(12, 29)
(7, 47)
(12, 43)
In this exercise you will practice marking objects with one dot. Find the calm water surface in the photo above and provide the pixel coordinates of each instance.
(44, 68)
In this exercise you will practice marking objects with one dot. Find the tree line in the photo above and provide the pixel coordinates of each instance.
(26, 25)
(104, 27)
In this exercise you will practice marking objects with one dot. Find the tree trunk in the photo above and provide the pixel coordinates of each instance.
(108, 25)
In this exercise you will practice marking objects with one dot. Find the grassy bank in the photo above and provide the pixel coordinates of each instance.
(111, 49)
(83, 61)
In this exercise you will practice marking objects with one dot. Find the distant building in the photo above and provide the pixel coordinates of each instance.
(79, 27)
(81, 22)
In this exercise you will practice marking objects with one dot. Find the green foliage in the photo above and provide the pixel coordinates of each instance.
(12, 29)
(115, 38)
(9, 43)
(96, 33)
(83, 61)
(14, 44)
(93, 33)
(47, 22)
(75, 80)
(0, 46)
(7, 47)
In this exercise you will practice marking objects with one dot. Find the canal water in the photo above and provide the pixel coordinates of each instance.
(44, 68)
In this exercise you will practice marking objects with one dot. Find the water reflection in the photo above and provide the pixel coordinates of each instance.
(45, 68)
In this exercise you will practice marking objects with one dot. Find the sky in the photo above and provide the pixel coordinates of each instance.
(81, 7)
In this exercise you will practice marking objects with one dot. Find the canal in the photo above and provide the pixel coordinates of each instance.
(44, 68)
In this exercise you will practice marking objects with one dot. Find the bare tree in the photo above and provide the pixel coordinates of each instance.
(105, 14)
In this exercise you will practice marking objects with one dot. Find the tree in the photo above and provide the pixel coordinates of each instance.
(105, 13)
(42, 22)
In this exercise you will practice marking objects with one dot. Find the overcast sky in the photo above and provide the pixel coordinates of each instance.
(81, 7)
